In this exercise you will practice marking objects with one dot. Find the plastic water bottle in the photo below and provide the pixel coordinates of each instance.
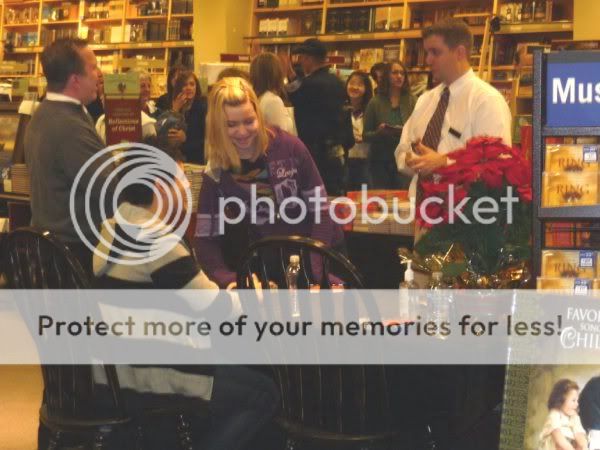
(291, 274)
(438, 302)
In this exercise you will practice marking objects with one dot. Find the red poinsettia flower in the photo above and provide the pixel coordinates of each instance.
(525, 193)
(519, 173)
(483, 158)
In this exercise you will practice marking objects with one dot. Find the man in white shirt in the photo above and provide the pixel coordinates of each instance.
(462, 106)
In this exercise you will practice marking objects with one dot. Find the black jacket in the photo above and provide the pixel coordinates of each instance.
(589, 405)
(319, 110)
(195, 118)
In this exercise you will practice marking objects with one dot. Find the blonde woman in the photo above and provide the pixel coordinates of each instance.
(245, 155)
(267, 76)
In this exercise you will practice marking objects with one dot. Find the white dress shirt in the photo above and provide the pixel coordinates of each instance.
(475, 108)
(360, 149)
(56, 97)
(275, 113)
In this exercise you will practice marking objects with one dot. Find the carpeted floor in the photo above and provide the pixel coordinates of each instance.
(20, 399)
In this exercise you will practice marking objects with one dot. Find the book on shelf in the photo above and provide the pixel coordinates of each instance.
(391, 52)
(368, 57)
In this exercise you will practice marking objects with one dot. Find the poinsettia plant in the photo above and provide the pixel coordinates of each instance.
(479, 185)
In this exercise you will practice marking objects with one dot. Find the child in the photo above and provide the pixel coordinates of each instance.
(563, 429)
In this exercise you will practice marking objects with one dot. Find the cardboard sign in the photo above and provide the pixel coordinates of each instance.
(123, 108)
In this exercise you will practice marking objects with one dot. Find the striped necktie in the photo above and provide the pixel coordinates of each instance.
(433, 133)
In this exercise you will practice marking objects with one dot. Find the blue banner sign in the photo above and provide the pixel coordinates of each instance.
(573, 94)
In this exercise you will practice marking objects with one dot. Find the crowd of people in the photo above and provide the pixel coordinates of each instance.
(337, 138)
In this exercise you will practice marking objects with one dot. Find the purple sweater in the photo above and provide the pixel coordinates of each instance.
(292, 173)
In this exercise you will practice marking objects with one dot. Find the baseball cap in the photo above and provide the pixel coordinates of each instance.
(312, 47)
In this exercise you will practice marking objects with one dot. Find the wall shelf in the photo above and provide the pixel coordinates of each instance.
(96, 29)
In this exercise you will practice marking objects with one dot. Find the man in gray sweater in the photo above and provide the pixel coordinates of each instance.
(59, 140)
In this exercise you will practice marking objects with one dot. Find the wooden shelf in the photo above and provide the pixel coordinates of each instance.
(21, 25)
(153, 45)
(146, 18)
(182, 16)
(20, 75)
(14, 197)
(23, 50)
(17, 4)
(541, 27)
(365, 4)
(88, 22)
(289, 9)
(60, 22)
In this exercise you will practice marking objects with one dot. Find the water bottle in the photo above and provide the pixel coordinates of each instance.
(291, 274)
(438, 301)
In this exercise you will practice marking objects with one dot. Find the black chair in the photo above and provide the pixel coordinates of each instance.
(77, 412)
(324, 406)
(320, 265)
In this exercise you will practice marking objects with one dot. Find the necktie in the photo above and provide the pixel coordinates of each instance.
(433, 133)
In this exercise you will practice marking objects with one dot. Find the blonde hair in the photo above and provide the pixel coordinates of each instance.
(143, 73)
(221, 152)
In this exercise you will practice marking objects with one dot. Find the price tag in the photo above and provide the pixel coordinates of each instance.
(582, 286)
(586, 258)
(590, 153)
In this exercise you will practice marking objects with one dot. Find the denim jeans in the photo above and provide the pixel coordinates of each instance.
(243, 400)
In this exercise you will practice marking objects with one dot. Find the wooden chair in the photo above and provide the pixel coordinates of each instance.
(320, 265)
(324, 406)
(71, 411)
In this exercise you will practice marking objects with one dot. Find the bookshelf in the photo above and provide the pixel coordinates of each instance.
(116, 29)
(381, 28)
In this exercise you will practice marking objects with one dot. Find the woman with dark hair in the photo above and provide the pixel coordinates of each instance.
(360, 92)
(164, 101)
(385, 115)
(266, 76)
(188, 101)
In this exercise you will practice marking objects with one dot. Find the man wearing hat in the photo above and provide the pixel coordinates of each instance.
(322, 123)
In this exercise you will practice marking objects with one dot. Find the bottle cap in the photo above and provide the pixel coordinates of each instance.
(295, 259)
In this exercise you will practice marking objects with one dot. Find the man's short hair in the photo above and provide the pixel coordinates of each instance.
(60, 60)
(455, 32)
(140, 194)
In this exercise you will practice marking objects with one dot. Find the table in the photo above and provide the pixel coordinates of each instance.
(376, 257)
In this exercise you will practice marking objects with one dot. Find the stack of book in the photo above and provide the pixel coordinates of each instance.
(20, 179)
(194, 172)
